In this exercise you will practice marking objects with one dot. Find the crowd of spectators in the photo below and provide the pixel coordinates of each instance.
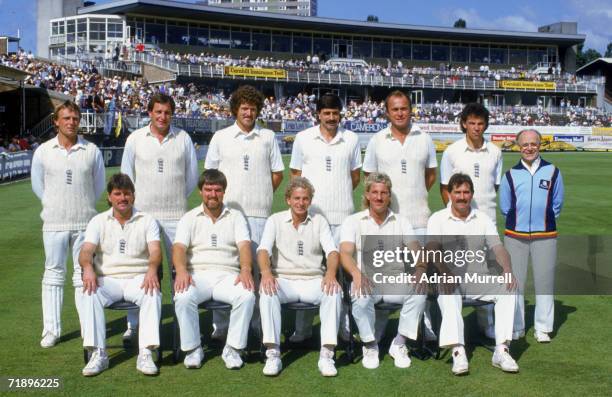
(95, 93)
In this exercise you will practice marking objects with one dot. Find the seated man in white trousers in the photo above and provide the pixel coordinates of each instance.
(120, 258)
(297, 240)
(460, 220)
(212, 257)
(379, 220)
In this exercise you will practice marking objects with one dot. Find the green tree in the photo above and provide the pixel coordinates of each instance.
(460, 23)
(584, 57)
(372, 18)
(609, 50)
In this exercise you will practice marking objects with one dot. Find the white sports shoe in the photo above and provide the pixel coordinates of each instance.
(370, 357)
(49, 340)
(541, 337)
(231, 357)
(194, 358)
(460, 362)
(503, 360)
(273, 363)
(326, 363)
(98, 362)
(145, 363)
(400, 355)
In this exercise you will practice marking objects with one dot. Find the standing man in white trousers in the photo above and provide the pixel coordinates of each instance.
(68, 177)
(120, 259)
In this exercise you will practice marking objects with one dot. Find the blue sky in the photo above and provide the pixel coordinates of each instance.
(594, 17)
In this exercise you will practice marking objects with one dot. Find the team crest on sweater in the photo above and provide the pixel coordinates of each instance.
(544, 184)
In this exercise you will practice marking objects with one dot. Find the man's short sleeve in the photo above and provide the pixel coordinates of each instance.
(325, 237)
(432, 161)
(212, 155)
(446, 168)
(276, 159)
(241, 230)
(183, 230)
(92, 233)
(297, 156)
(152, 231)
(268, 237)
(356, 156)
(348, 231)
(369, 160)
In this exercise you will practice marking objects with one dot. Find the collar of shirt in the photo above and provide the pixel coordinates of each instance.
(534, 166)
(80, 144)
(484, 148)
(414, 130)
(224, 212)
(390, 216)
(289, 219)
(135, 215)
(473, 214)
(238, 131)
(337, 138)
(171, 133)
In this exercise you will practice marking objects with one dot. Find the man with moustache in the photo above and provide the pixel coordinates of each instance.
(330, 158)
(212, 258)
(120, 258)
(68, 177)
(161, 161)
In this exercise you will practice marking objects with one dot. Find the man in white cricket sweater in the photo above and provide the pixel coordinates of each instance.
(408, 156)
(212, 258)
(251, 159)
(68, 177)
(120, 259)
(377, 219)
(297, 241)
(162, 162)
(330, 158)
(482, 161)
(459, 220)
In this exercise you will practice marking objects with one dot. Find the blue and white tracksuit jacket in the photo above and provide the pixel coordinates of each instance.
(531, 203)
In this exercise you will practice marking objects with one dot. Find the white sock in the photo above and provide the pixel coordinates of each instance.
(399, 340)
(326, 352)
(502, 347)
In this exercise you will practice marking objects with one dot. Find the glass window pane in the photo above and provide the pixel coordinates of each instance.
(220, 37)
(518, 56)
(440, 52)
(177, 35)
(499, 56)
(241, 40)
(479, 55)
(421, 52)
(460, 54)
(382, 49)
(261, 41)
(362, 49)
(155, 33)
(302, 45)
(402, 51)
(70, 27)
(322, 46)
(198, 36)
(281, 43)
(536, 56)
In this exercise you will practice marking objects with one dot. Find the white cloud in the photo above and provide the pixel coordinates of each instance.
(474, 20)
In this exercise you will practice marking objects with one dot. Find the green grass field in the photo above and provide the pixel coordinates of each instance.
(577, 362)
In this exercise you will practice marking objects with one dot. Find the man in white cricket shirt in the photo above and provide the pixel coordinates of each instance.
(120, 259)
(68, 177)
(161, 161)
(482, 161)
(212, 258)
(297, 241)
(378, 219)
(461, 220)
(330, 158)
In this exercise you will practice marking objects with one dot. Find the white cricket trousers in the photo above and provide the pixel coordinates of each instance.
(368, 322)
(217, 285)
(110, 290)
(452, 328)
(306, 291)
(56, 245)
(543, 253)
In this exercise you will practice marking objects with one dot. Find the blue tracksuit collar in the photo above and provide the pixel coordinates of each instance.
(520, 166)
